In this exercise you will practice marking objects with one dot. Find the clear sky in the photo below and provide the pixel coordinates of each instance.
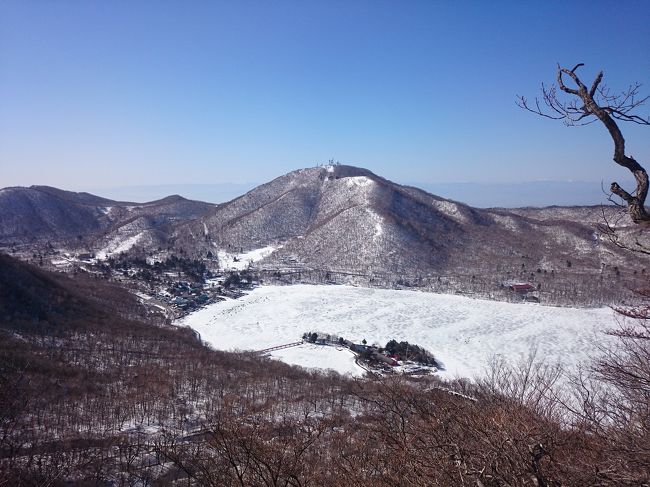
(116, 93)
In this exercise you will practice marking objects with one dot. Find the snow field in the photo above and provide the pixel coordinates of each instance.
(118, 245)
(465, 334)
(339, 359)
(361, 181)
(240, 262)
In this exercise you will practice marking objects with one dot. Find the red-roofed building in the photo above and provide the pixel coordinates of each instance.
(522, 288)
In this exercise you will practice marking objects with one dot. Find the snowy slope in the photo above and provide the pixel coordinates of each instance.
(45, 213)
(464, 333)
(239, 262)
(344, 220)
(118, 245)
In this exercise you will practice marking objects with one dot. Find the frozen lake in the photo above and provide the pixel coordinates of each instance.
(463, 333)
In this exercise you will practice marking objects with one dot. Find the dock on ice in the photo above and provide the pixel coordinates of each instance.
(279, 347)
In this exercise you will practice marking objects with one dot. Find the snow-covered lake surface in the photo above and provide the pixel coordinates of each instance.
(465, 334)
(340, 359)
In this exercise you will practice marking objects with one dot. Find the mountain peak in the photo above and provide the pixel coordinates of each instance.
(343, 171)
(79, 198)
(346, 217)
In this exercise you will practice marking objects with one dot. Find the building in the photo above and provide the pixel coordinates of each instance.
(522, 288)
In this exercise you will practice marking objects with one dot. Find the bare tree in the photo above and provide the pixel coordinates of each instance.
(586, 105)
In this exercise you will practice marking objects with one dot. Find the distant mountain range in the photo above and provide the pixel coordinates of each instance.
(211, 192)
(330, 219)
(530, 193)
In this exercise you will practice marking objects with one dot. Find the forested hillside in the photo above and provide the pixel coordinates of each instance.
(94, 391)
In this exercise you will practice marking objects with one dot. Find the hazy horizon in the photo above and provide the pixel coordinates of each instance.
(480, 195)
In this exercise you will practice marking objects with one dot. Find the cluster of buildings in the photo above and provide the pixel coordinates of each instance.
(372, 355)
(186, 296)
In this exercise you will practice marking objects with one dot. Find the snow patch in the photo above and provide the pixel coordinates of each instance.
(117, 246)
(339, 359)
(361, 181)
(451, 209)
(239, 262)
(152, 260)
(142, 297)
(506, 221)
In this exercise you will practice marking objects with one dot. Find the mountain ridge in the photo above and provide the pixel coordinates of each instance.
(38, 213)
(334, 219)
(347, 217)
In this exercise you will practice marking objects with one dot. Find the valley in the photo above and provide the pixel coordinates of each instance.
(142, 343)
(343, 225)
(324, 244)
(339, 249)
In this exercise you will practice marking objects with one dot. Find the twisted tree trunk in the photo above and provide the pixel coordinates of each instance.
(635, 202)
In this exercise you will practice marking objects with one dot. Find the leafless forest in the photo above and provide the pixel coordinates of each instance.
(96, 392)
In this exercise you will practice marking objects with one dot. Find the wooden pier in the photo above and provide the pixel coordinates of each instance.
(279, 347)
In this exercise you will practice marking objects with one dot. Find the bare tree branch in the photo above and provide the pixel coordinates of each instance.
(597, 103)
(594, 86)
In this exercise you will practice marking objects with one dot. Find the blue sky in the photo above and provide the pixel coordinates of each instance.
(104, 94)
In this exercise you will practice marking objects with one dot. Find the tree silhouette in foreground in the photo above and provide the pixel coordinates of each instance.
(615, 407)
(586, 105)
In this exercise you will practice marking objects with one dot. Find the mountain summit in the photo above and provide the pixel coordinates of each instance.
(347, 218)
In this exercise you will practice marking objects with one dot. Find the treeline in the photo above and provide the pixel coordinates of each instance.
(557, 288)
(91, 393)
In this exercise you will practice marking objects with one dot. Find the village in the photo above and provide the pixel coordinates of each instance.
(173, 285)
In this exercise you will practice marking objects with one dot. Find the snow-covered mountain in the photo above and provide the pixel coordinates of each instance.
(347, 218)
(341, 220)
(42, 213)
